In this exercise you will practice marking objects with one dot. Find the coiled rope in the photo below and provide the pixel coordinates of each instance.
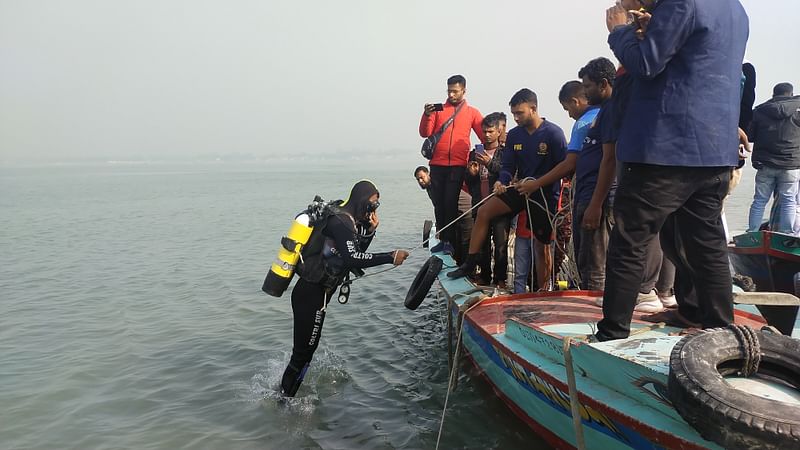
(568, 266)
(751, 348)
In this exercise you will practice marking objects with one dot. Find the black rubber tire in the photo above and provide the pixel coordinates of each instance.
(733, 418)
(796, 280)
(422, 282)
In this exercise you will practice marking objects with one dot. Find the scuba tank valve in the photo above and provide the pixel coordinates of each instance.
(282, 270)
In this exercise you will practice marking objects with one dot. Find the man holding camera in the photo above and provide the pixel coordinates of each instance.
(450, 155)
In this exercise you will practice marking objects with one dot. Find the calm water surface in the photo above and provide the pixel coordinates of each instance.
(132, 315)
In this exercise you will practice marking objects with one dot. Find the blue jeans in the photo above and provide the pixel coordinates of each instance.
(522, 263)
(796, 228)
(784, 184)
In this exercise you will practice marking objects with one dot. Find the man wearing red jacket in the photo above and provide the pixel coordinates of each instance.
(451, 154)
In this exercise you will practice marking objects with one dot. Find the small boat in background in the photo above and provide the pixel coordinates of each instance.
(772, 261)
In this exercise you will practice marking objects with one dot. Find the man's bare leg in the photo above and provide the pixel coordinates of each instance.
(493, 207)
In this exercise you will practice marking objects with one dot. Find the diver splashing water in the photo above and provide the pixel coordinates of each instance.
(336, 246)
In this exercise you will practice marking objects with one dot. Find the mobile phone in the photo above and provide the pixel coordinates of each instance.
(479, 149)
(438, 106)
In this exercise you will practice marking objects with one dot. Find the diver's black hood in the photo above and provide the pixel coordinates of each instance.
(357, 203)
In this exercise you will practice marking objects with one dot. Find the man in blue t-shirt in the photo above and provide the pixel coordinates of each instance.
(594, 174)
(572, 97)
(594, 178)
(532, 149)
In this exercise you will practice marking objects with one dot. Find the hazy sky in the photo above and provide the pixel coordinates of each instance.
(144, 79)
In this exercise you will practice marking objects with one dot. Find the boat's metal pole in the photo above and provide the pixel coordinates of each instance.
(574, 405)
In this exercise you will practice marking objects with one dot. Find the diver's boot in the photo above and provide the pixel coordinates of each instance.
(292, 379)
(465, 269)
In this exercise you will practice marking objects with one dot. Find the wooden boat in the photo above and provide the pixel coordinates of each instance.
(518, 344)
(771, 260)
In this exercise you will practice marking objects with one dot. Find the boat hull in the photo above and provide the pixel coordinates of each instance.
(771, 260)
(534, 386)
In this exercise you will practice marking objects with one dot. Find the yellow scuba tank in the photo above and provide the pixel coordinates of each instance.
(282, 270)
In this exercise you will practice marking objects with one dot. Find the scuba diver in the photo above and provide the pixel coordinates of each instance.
(339, 247)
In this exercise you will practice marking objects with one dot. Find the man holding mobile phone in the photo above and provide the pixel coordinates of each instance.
(483, 171)
(450, 156)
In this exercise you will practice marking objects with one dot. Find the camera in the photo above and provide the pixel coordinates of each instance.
(438, 106)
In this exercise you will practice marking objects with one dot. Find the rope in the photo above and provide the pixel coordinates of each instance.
(568, 266)
(751, 348)
(454, 369)
(574, 404)
(454, 221)
(412, 250)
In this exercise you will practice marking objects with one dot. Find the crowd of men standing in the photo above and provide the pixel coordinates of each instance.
(652, 151)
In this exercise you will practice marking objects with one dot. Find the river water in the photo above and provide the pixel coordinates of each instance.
(132, 315)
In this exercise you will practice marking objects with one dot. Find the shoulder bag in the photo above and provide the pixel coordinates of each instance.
(429, 144)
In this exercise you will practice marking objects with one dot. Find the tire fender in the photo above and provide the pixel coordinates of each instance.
(422, 282)
(734, 418)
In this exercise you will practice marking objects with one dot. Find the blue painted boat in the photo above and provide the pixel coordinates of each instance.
(518, 344)
(770, 259)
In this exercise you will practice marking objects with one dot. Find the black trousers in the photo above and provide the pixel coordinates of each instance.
(499, 229)
(308, 302)
(446, 182)
(685, 204)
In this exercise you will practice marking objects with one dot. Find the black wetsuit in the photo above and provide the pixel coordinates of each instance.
(345, 249)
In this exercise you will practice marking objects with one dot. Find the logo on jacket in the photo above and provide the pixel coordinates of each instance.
(518, 147)
(542, 149)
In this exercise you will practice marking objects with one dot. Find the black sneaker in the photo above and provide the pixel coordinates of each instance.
(438, 247)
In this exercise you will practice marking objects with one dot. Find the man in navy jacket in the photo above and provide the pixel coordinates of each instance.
(677, 145)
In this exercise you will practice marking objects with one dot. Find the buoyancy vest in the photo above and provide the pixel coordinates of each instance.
(314, 265)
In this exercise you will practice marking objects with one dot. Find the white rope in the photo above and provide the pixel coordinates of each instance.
(413, 249)
(568, 266)
(574, 403)
(454, 369)
(454, 221)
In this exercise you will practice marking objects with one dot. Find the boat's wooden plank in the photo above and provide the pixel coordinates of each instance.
(765, 298)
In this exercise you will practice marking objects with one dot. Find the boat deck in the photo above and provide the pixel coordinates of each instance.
(567, 313)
